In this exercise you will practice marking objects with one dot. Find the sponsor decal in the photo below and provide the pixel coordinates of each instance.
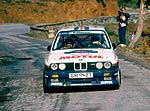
(56, 84)
(82, 84)
(81, 51)
(106, 82)
(80, 56)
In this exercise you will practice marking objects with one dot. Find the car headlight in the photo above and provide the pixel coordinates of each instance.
(99, 65)
(62, 66)
(54, 66)
(107, 65)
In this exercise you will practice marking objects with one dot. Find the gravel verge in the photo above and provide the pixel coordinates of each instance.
(129, 55)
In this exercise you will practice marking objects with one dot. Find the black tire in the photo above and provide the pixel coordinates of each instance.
(119, 80)
(45, 88)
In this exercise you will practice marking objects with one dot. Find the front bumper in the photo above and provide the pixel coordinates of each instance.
(98, 79)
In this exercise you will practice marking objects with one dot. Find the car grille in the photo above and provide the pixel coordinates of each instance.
(82, 66)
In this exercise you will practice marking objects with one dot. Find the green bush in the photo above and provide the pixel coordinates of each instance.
(7, 1)
(24, 1)
(128, 3)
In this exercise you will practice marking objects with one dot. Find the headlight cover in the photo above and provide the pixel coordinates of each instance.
(54, 66)
(107, 65)
(62, 66)
(99, 65)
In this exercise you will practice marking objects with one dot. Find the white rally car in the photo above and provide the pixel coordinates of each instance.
(81, 56)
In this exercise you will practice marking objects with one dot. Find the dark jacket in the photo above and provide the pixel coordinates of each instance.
(122, 19)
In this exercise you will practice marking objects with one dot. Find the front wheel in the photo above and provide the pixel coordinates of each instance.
(118, 80)
(45, 88)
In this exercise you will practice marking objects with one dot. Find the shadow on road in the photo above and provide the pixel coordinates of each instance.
(81, 89)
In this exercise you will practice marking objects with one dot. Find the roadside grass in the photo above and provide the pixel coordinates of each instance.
(35, 11)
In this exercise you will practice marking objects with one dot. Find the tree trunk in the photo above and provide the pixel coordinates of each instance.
(140, 25)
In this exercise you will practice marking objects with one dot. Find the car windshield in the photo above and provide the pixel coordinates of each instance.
(81, 39)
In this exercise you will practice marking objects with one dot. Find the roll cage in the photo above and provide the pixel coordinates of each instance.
(82, 39)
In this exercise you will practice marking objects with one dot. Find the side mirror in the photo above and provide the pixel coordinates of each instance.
(114, 46)
(49, 48)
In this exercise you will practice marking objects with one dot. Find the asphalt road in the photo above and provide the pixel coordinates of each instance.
(21, 80)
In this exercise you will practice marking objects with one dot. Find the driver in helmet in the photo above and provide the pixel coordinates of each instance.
(69, 43)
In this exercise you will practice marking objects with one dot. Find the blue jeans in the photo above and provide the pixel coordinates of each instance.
(122, 35)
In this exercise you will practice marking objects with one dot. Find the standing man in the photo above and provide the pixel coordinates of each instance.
(122, 19)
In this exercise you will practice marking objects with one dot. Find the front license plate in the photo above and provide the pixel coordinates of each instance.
(81, 75)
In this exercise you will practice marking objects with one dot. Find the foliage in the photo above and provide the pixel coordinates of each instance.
(7, 1)
(131, 3)
(61, 1)
(17, 1)
(128, 3)
(103, 2)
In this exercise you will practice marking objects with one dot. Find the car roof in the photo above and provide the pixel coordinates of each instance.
(71, 28)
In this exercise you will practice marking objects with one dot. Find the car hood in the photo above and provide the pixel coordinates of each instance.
(67, 56)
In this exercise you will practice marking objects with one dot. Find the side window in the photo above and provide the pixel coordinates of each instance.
(59, 42)
(105, 41)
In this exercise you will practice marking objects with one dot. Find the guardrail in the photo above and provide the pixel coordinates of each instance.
(49, 30)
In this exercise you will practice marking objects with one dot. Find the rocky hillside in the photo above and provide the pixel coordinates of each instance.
(50, 11)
